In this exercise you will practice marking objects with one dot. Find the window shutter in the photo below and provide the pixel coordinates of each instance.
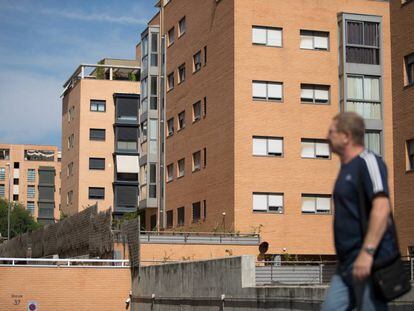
(308, 205)
(322, 149)
(259, 35)
(275, 146)
(323, 204)
(259, 146)
(259, 90)
(308, 150)
(306, 42)
(274, 37)
(260, 202)
(321, 42)
(275, 201)
(307, 93)
(127, 164)
(274, 91)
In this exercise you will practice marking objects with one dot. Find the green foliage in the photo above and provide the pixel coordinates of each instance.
(133, 76)
(100, 72)
(21, 221)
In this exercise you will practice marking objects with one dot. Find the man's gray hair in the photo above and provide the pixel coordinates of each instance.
(351, 124)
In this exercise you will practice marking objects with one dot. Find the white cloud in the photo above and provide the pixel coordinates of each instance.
(30, 107)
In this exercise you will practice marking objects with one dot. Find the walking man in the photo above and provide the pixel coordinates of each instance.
(351, 286)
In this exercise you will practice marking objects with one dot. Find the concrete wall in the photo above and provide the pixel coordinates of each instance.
(200, 285)
(64, 288)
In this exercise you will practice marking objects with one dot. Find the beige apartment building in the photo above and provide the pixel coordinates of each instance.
(240, 96)
(100, 137)
(402, 47)
(30, 175)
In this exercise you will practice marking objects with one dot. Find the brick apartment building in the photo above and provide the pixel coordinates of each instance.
(243, 92)
(100, 137)
(228, 123)
(32, 173)
(402, 47)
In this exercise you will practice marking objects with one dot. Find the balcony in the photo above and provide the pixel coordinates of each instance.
(103, 72)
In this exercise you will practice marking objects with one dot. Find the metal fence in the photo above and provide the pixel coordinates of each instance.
(305, 272)
(74, 263)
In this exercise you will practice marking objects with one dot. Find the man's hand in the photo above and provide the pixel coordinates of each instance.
(362, 266)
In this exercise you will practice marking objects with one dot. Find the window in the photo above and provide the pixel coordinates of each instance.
(2, 190)
(196, 211)
(409, 69)
(31, 192)
(170, 126)
(363, 94)
(153, 222)
(204, 210)
(170, 217)
(267, 146)
(410, 154)
(31, 207)
(205, 107)
(316, 204)
(314, 40)
(171, 81)
(181, 27)
(314, 94)
(4, 154)
(2, 173)
(181, 73)
(15, 181)
(170, 172)
(97, 105)
(153, 181)
(181, 167)
(144, 130)
(264, 90)
(31, 175)
(97, 134)
(205, 55)
(171, 36)
(180, 216)
(315, 148)
(15, 197)
(69, 198)
(97, 163)
(267, 36)
(196, 161)
(17, 164)
(126, 196)
(126, 138)
(373, 141)
(197, 61)
(71, 140)
(127, 109)
(362, 42)
(71, 114)
(204, 157)
(154, 93)
(181, 120)
(196, 111)
(70, 169)
(96, 193)
(154, 50)
(268, 202)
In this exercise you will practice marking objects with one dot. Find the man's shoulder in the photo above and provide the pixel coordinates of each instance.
(371, 161)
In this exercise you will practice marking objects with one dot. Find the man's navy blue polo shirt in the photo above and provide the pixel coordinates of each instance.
(347, 227)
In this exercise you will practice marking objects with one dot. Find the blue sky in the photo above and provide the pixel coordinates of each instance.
(41, 44)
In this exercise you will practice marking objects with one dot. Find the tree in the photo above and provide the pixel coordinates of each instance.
(21, 221)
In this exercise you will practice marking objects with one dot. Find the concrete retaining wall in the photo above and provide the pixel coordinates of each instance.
(223, 284)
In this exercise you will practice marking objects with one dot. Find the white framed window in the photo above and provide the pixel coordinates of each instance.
(196, 111)
(170, 172)
(171, 36)
(363, 94)
(314, 40)
(31, 190)
(409, 69)
(170, 127)
(316, 204)
(266, 90)
(31, 207)
(2, 173)
(267, 146)
(315, 148)
(181, 74)
(31, 175)
(410, 155)
(97, 105)
(196, 161)
(268, 202)
(181, 120)
(268, 36)
(197, 61)
(181, 168)
(181, 27)
(314, 94)
(170, 81)
(2, 190)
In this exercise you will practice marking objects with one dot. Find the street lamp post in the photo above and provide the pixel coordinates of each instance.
(9, 204)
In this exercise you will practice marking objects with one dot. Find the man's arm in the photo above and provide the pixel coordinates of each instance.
(377, 225)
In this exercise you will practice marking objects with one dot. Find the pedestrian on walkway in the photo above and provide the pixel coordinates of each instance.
(352, 285)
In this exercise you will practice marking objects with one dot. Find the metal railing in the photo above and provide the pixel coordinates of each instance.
(305, 272)
(74, 263)
(171, 237)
